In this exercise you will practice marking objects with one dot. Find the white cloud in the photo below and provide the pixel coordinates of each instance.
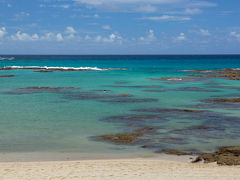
(167, 18)
(235, 35)
(48, 36)
(102, 2)
(65, 6)
(146, 9)
(150, 36)
(98, 38)
(21, 15)
(106, 27)
(3, 32)
(187, 11)
(70, 30)
(9, 5)
(202, 4)
(59, 37)
(192, 11)
(87, 37)
(204, 32)
(24, 36)
(110, 39)
(96, 16)
(181, 37)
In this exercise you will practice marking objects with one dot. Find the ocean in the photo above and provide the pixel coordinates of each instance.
(64, 104)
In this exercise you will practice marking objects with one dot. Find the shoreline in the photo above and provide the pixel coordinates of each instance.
(55, 157)
(130, 169)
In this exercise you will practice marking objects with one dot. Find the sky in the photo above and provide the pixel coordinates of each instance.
(119, 27)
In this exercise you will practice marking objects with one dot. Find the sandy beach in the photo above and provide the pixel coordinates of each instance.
(116, 169)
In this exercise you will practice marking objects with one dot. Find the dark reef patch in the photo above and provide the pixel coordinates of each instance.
(167, 110)
(194, 89)
(155, 90)
(35, 90)
(232, 100)
(126, 138)
(121, 82)
(43, 71)
(6, 76)
(129, 100)
(101, 90)
(91, 95)
(230, 74)
(135, 119)
(137, 86)
(176, 152)
(223, 102)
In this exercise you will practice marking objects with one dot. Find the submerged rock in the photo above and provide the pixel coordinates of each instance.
(125, 139)
(136, 86)
(43, 71)
(36, 89)
(193, 89)
(47, 88)
(233, 100)
(129, 100)
(134, 118)
(176, 152)
(155, 90)
(5, 76)
(231, 74)
(167, 110)
(91, 95)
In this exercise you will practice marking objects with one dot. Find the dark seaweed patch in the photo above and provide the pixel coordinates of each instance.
(43, 71)
(155, 90)
(129, 100)
(167, 110)
(133, 118)
(6, 76)
(35, 90)
(94, 96)
(121, 82)
(225, 103)
(137, 86)
(194, 89)
(126, 138)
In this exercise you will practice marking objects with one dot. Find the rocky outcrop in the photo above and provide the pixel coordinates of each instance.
(229, 155)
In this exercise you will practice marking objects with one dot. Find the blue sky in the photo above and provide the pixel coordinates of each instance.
(119, 27)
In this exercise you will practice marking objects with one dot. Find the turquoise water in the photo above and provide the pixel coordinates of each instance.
(65, 121)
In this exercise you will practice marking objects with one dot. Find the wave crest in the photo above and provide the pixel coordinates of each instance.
(60, 68)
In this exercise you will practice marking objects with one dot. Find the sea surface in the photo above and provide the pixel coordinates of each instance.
(65, 112)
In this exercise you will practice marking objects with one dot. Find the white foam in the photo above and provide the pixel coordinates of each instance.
(7, 58)
(175, 79)
(58, 68)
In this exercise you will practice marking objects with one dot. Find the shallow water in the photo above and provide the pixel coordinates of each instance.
(65, 120)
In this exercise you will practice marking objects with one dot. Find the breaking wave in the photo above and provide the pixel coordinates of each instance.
(59, 68)
(6, 58)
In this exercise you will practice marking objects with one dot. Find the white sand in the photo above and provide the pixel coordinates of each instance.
(121, 169)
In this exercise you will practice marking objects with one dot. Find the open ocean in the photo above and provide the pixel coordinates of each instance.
(64, 112)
